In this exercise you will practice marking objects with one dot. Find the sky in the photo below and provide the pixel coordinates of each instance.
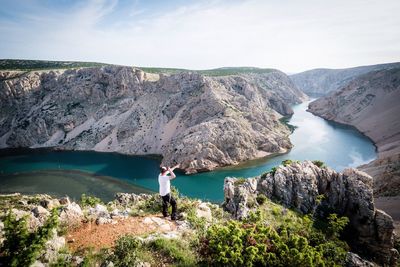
(290, 35)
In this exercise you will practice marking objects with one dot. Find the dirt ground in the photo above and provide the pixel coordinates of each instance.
(90, 235)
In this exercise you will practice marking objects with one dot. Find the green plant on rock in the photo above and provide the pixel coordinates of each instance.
(90, 200)
(261, 199)
(21, 247)
(287, 162)
(319, 163)
(336, 224)
(240, 180)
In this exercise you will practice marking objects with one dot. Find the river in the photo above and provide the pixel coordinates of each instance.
(102, 174)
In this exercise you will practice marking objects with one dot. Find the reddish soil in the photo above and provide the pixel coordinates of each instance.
(90, 235)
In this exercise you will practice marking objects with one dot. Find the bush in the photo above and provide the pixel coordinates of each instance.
(125, 251)
(177, 251)
(254, 243)
(90, 200)
(261, 199)
(287, 162)
(319, 163)
(21, 247)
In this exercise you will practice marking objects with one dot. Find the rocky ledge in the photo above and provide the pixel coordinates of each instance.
(314, 190)
(202, 122)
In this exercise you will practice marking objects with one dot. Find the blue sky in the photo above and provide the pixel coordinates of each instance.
(290, 35)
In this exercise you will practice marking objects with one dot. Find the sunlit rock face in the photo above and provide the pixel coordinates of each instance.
(198, 121)
(371, 104)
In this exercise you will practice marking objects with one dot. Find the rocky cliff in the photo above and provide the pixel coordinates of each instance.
(200, 121)
(314, 190)
(371, 104)
(320, 82)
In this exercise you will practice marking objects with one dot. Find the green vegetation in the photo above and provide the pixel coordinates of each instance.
(285, 120)
(90, 200)
(21, 247)
(212, 72)
(257, 243)
(319, 163)
(28, 65)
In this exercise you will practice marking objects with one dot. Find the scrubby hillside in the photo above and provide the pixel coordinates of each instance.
(202, 122)
(323, 219)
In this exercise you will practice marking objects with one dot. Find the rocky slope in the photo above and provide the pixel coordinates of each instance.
(314, 190)
(198, 121)
(320, 82)
(371, 104)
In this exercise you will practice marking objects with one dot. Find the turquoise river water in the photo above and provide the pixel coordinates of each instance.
(102, 174)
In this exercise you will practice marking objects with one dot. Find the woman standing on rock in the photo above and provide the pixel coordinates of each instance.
(165, 190)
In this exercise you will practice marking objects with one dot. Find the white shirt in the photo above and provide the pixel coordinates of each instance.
(165, 184)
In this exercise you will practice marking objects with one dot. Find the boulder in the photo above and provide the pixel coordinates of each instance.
(49, 203)
(203, 211)
(40, 212)
(299, 185)
(52, 248)
(64, 201)
(71, 214)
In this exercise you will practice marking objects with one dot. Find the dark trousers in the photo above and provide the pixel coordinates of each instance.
(168, 199)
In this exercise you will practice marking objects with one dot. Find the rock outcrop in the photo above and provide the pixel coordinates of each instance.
(319, 82)
(371, 104)
(199, 121)
(302, 185)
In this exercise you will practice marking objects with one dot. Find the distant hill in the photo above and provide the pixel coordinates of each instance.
(28, 65)
(22, 64)
(319, 82)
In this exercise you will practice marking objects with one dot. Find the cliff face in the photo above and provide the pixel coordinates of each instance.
(371, 104)
(320, 82)
(301, 185)
(201, 122)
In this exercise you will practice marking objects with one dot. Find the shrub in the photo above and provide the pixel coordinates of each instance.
(21, 247)
(254, 243)
(261, 199)
(90, 200)
(319, 163)
(240, 181)
(272, 171)
(336, 224)
(151, 205)
(287, 162)
(125, 251)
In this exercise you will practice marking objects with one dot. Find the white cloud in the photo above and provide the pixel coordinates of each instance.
(289, 35)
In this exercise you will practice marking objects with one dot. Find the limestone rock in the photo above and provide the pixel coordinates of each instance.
(202, 122)
(203, 211)
(71, 214)
(49, 203)
(52, 248)
(370, 103)
(298, 185)
(64, 201)
(353, 260)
